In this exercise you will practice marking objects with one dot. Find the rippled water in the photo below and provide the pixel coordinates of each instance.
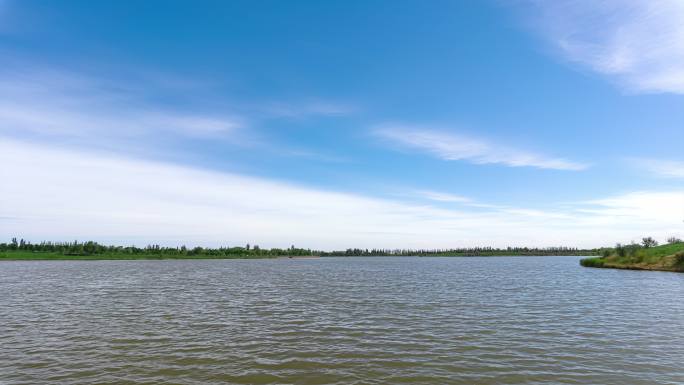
(506, 320)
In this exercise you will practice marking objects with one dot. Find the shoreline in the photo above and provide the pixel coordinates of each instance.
(637, 268)
(205, 257)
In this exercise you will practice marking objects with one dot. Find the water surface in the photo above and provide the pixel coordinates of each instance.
(503, 320)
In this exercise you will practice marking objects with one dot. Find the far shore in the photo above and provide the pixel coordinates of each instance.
(38, 256)
(22, 250)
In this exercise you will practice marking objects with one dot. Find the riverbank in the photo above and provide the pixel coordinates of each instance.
(668, 257)
(55, 256)
(48, 256)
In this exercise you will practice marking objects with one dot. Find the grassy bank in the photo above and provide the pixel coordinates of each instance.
(668, 257)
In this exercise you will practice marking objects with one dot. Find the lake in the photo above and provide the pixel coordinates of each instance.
(489, 320)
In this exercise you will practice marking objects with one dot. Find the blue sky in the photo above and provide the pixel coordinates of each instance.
(342, 124)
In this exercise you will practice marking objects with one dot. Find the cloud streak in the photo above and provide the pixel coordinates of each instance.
(648, 206)
(639, 43)
(449, 198)
(142, 113)
(438, 196)
(308, 109)
(452, 146)
(662, 168)
(59, 104)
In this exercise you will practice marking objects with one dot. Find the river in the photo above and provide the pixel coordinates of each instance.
(489, 320)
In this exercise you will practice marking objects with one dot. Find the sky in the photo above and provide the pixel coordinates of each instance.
(404, 124)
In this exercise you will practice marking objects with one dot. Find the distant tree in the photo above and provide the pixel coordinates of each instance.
(649, 242)
(674, 240)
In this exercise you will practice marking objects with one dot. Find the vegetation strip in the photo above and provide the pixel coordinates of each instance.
(24, 250)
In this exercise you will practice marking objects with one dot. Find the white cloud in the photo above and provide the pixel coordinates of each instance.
(60, 194)
(661, 168)
(451, 146)
(640, 43)
(67, 105)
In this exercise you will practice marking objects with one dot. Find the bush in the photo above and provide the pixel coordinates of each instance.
(679, 259)
(592, 262)
(649, 242)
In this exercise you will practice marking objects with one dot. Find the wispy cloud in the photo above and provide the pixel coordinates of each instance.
(466, 202)
(652, 207)
(443, 197)
(62, 104)
(133, 201)
(453, 146)
(315, 155)
(307, 109)
(130, 113)
(640, 43)
(661, 167)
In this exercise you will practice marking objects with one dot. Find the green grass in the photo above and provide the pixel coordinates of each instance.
(668, 257)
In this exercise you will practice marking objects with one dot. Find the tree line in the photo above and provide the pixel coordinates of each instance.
(632, 249)
(94, 248)
(470, 252)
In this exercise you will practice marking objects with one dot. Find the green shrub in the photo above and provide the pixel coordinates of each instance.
(592, 262)
(679, 259)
